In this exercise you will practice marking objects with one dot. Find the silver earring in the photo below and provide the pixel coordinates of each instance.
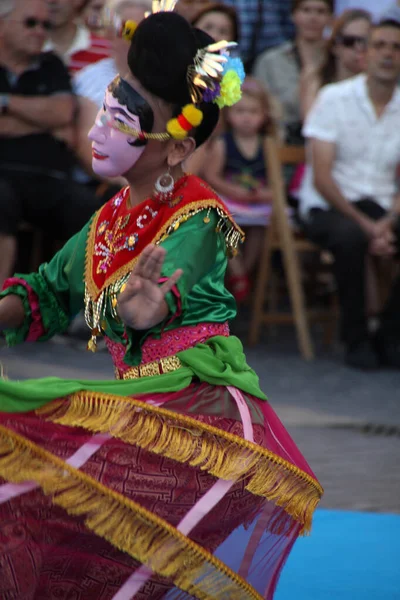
(164, 188)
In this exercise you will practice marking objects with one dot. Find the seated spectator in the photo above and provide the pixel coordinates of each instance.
(35, 167)
(70, 39)
(91, 83)
(236, 169)
(219, 21)
(349, 200)
(264, 24)
(279, 69)
(345, 56)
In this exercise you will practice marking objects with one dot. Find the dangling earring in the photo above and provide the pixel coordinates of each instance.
(164, 187)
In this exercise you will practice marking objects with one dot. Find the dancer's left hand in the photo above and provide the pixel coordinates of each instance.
(141, 304)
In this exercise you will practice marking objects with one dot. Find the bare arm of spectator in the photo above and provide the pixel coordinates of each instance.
(323, 157)
(46, 112)
(214, 174)
(14, 127)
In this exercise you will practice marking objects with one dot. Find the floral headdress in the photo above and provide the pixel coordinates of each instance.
(214, 77)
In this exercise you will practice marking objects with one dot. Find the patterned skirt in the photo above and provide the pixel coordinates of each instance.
(193, 494)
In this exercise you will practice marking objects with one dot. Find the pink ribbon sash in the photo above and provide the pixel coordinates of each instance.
(210, 499)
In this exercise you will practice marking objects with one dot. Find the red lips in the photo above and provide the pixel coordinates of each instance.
(98, 156)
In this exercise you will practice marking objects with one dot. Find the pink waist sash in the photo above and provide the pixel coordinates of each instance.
(169, 344)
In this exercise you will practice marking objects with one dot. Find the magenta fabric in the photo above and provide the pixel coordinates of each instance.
(199, 511)
(169, 343)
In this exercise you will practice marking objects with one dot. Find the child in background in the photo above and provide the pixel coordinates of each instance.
(236, 169)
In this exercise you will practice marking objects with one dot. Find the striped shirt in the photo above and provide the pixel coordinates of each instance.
(85, 50)
(276, 23)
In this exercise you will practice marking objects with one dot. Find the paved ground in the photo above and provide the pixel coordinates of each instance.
(347, 423)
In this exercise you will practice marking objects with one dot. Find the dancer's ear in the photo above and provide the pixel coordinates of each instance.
(180, 150)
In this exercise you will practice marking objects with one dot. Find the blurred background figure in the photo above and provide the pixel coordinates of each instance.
(279, 69)
(92, 16)
(219, 21)
(92, 81)
(344, 58)
(236, 170)
(349, 198)
(263, 24)
(36, 166)
(70, 38)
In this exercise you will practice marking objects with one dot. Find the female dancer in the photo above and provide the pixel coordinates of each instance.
(129, 489)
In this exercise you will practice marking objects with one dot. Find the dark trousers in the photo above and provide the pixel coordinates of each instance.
(349, 245)
(60, 207)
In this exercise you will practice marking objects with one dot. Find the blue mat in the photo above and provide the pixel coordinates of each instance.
(349, 556)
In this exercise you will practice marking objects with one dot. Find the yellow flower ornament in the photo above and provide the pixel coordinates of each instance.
(231, 91)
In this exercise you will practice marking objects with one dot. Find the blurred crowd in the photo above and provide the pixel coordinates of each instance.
(319, 74)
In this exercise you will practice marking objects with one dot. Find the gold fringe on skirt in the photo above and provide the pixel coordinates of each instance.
(197, 444)
(122, 522)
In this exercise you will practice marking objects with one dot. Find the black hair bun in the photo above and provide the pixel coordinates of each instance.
(163, 47)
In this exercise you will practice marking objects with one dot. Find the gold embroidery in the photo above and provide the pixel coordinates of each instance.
(114, 241)
(232, 232)
(97, 300)
(170, 363)
(158, 367)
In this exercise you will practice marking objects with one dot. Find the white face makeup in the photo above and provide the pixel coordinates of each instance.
(113, 151)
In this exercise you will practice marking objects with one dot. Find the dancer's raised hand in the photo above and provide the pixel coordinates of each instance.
(141, 303)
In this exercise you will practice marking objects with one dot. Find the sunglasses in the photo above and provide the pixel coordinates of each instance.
(32, 23)
(351, 41)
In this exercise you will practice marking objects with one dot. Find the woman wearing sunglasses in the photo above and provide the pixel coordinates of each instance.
(344, 57)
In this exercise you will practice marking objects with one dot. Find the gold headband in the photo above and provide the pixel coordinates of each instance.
(128, 130)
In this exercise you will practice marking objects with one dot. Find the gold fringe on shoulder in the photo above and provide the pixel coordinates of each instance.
(186, 440)
(122, 522)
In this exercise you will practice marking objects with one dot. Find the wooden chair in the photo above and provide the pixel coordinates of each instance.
(280, 235)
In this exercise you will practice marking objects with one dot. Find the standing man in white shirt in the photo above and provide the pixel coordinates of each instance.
(349, 200)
